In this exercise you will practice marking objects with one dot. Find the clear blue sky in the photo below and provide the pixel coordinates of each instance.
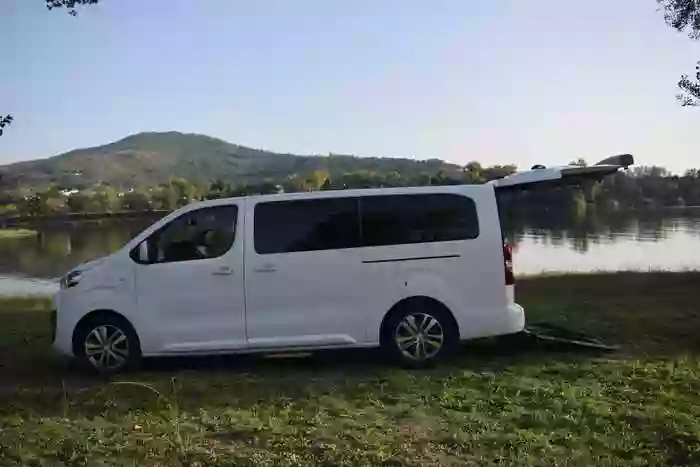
(538, 81)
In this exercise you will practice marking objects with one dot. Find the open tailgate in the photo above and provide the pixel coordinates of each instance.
(570, 174)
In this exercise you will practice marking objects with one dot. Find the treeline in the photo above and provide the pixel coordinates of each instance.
(177, 192)
(637, 188)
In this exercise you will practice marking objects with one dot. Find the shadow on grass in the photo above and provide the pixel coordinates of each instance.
(482, 354)
(51, 386)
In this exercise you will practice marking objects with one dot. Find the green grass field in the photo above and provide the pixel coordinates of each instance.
(499, 403)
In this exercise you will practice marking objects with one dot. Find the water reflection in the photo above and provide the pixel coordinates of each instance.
(613, 241)
(543, 242)
(58, 248)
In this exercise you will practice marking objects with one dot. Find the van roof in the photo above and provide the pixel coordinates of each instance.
(461, 188)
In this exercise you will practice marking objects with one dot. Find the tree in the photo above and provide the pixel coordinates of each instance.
(34, 205)
(165, 197)
(473, 172)
(104, 199)
(185, 190)
(135, 201)
(78, 202)
(684, 16)
(218, 189)
(316, 179)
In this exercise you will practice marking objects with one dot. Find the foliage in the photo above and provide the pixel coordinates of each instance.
(163, 171)
(499, 402)
(638, 188)
(4, 122)
(690, 96)
(684, 16)
(69, 5)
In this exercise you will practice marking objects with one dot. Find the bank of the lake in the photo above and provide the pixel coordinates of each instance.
(42, 220)
(6, 234)
(496, 403)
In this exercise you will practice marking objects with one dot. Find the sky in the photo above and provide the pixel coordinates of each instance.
(498, 81)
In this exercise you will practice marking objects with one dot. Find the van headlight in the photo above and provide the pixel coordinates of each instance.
(71, 279)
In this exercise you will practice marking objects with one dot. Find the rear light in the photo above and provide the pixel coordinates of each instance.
(508, 264)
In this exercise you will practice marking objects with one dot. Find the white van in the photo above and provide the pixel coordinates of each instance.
(412, 270)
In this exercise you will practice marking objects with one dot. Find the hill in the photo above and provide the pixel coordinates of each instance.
(152, 158)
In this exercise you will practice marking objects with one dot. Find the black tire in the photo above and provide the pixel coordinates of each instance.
(431, 320)
(124, 351)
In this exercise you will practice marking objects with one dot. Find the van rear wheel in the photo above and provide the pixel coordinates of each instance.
(106, 344)
(419, 335)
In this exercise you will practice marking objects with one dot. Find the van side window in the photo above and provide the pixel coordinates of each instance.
(200, 234)
(420, 218)
(306, 225)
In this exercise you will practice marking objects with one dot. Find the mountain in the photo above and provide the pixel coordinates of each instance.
(152, 158)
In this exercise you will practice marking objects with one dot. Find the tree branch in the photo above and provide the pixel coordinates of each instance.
(5, 121)
(690, 89)
(69, 5)
(683, 16)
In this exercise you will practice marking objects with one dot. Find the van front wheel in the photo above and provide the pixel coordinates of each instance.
(420, 335)
(106, 343)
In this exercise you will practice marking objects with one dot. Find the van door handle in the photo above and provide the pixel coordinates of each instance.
(223, 271)
(266, 268)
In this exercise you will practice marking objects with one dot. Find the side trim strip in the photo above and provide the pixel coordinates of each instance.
(419, 258)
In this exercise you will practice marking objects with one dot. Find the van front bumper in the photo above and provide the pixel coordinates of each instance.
(61, 332)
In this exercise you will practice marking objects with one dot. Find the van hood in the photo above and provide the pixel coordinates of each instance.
(90, 264)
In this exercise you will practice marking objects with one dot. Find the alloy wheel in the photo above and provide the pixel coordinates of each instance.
(107, 347)
(419, 336)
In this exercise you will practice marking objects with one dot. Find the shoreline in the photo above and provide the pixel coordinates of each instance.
(23, 220)
(12, 233)
(46, 287)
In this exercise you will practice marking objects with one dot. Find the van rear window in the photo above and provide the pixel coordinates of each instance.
(339, 223)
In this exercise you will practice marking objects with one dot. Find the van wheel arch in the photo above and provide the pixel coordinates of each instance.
(99, 316)
(419, 301)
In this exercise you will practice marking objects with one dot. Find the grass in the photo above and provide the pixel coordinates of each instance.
(499, 403)
(16, 233)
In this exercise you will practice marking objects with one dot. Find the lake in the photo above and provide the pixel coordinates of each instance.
(545, 243)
